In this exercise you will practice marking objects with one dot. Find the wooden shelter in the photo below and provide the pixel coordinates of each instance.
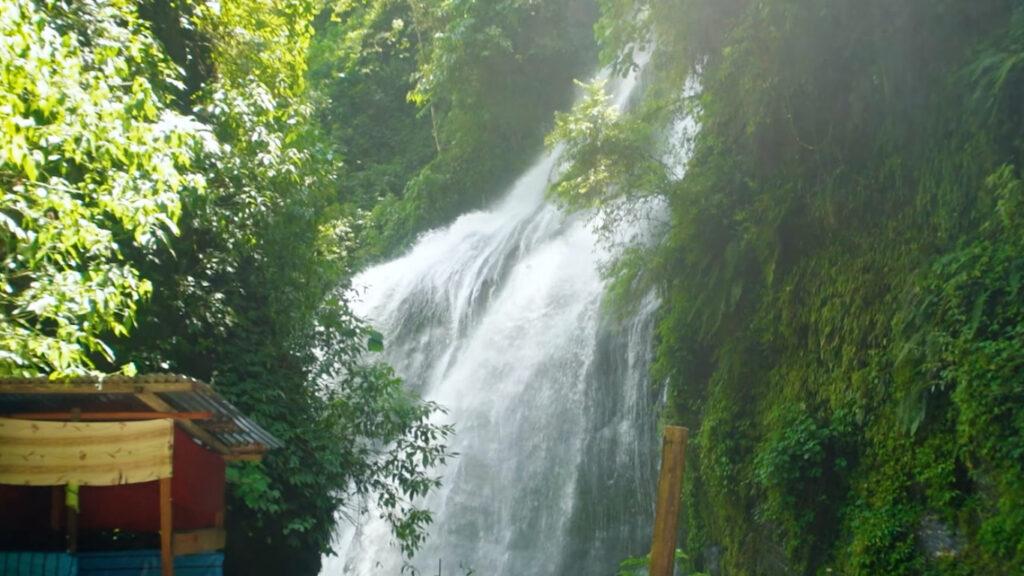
(115, 475)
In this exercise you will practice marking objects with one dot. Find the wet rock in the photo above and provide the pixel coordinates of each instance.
(713, 560)
(938, 539)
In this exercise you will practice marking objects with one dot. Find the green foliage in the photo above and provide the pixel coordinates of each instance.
(435, 107)
(91, 159)
(800, 468)
(883, 542)
(361, 63)
(841, 323)
(604, 155)
(637, 565)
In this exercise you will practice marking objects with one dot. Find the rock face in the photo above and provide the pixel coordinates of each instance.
(938, 539)
(713, 560)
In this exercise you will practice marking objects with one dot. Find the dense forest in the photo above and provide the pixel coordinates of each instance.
(189, 186)
(842, 323)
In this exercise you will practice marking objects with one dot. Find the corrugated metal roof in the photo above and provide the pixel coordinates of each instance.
(102, 380)
(235, 432)
(245, 432)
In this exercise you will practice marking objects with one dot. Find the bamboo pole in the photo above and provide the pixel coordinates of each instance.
(666, 512)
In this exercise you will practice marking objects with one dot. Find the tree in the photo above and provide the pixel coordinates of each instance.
(92, 159)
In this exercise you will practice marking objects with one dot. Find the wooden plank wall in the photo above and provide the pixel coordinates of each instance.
(37, 453)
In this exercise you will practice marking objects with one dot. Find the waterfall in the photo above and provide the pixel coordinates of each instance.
(498, 317)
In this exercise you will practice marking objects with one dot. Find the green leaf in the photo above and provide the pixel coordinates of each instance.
(375, 342)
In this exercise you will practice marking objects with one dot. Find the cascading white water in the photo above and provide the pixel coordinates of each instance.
(498, 317)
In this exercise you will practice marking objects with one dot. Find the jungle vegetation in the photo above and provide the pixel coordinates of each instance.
(842, 324)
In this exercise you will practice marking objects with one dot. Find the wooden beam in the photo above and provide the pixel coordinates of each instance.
(666, 512)
(166, 529)
(157, 403)
(204, 388)
(253, 448)
(199, 541)
(222, 425)
(116, 387)
(245, 457)
(113, 416)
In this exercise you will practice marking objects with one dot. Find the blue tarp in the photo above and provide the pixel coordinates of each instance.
(147, 563)
(126, 563)
(38, 564)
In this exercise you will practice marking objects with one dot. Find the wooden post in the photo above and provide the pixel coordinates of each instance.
(166, 529)
(666, 512)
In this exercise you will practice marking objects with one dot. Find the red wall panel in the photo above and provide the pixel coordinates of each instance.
(197, 493)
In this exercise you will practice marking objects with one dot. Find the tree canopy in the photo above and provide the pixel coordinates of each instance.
(92, 157)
